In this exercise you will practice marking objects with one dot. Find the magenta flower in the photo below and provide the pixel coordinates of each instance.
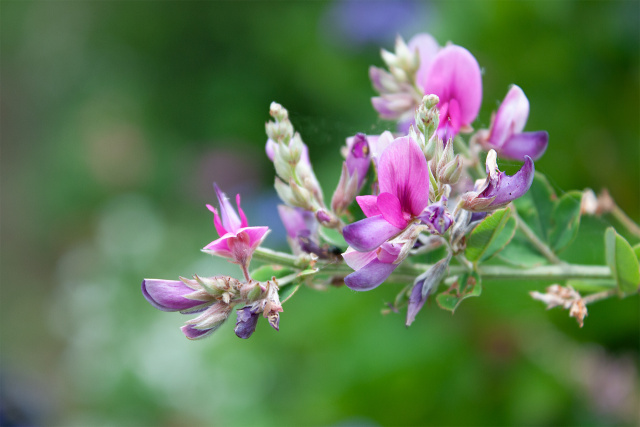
(237, 240)
(455, 77)
(499, 189)
(403, 179)
(505, 134)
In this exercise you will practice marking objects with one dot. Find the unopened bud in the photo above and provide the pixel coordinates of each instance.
(284, 192)
(428, 116)
(451, 172)
(278, 112)
(301, 196)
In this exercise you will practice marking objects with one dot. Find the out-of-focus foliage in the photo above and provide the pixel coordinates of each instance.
(116, 118)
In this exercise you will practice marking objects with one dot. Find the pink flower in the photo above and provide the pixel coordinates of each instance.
(506, 136)
(403, 178)
(455, 77)
(237, 241)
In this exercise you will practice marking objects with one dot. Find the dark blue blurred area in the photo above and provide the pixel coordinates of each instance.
(116, 117)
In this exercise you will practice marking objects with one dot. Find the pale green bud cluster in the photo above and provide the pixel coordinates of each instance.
(428, 116)
(445, 167)
(403, 63)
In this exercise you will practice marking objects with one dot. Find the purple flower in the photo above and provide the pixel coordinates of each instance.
(455, 77)
(358, 157)
(403, 178)
(505, 134)
(247, 321)
(302, 230)
(423, 285)
(209, 296)
(499, 189)
(237, 241)
(437, 217)
(175, 295)
(371, 268)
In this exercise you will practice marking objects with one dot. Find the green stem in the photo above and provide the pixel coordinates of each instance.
(408, 272)
(535, 241)
(624, 219)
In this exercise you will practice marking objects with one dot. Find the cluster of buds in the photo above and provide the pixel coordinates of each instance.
(214, 298)
(295, 183)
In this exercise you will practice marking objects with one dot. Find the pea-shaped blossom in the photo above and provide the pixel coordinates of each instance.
(381, 241)
(237, 240)
(403, 179)
(499, 189)
(505, 134)
(454, 76)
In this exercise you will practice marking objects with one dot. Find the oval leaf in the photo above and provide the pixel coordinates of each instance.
(622, 260)
(466, 286)
(486, 236)
(266, 272)
(565, 220)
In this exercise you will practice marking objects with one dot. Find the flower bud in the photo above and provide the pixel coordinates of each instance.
(428, 116)
(451, 172)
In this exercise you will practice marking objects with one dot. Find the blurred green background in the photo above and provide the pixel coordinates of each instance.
(118, 116)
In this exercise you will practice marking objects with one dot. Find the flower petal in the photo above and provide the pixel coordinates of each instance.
(532, 144)
(220, 247)
(196, 334)
(369, 233)
(510, 117)
(427, 48)
(403, 172)
(169, 295)
(256, 235)
(509, 188)
(369, 276)
(230, 219)
(216, 221)
(356, 259)
(247, 321)
(455, 74)
(390, 208)
(243, 217)
(369, 205)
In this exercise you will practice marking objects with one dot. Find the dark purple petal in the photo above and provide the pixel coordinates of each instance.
(437, 218)
(247, 321)
(169, 295)
(508, 188)
(370, 276)
(296, 220)
(403, 172)
(532, 144)
(423, 286)
(196, 334)
(369, 233)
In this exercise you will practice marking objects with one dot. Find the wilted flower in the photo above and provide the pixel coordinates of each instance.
(499, 189)
(505, 134)
(237, 240)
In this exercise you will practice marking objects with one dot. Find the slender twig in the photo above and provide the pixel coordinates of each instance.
(624, 219)
(600, 296)
(408, 272)
(535, 241)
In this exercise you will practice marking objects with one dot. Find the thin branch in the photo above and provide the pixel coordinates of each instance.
(535, 241)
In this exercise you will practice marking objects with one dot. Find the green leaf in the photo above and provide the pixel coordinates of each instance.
(466, 286)
(266, 272)
(636, 249)
(333, 237)
(502, 240)
(565, 220)
(622, 260)
(286, 293)
(536, 206)
(519, 252)
(486, 239)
